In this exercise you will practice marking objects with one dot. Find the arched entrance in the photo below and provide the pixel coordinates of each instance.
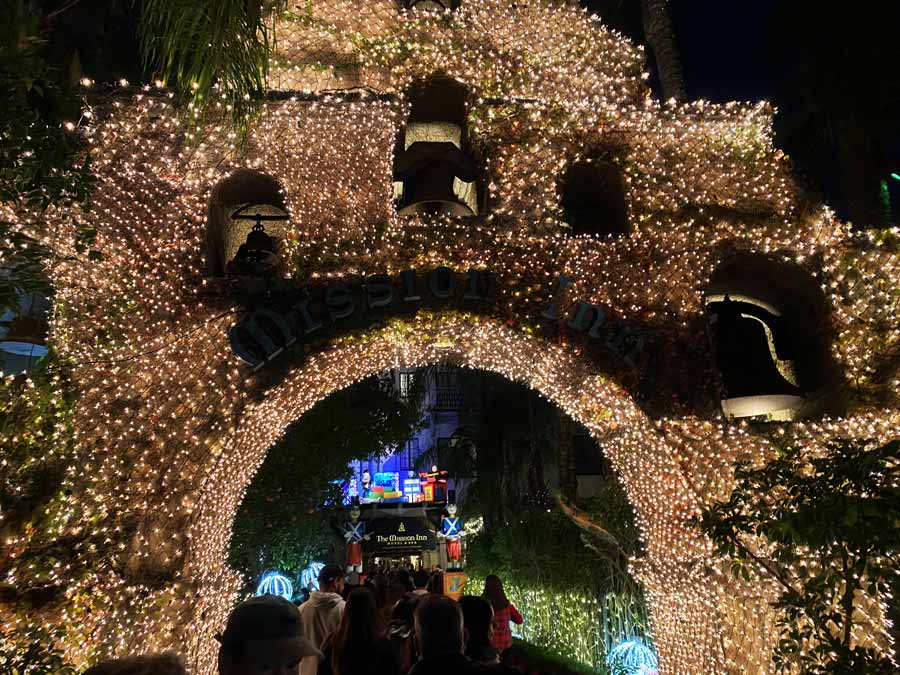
(685, 595)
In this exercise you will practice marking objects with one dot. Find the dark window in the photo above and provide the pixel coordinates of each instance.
(446, 377)
(410, 454)
(593, 199)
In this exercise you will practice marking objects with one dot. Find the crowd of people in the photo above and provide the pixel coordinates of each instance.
(398, 622)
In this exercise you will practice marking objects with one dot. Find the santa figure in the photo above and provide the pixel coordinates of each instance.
(355, 534)
(452, 531)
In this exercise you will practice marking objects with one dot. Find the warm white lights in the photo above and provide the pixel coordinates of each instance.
(171, 426)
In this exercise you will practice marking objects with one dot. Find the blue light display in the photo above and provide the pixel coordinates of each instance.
(309, 577)
(275, 583)
(632, 657)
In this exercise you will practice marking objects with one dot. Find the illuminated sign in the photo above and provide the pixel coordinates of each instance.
(400, 535)
(294, 316)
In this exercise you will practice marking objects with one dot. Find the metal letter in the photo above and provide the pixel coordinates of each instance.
(309, 323)
(264, 329)
(441, 282)
(581, 319)
(551, 311)
(339, 303)
(379, 292)
(408, 277)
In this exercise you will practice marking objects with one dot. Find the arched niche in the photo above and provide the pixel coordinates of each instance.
(592, 197)
(433, 5)
(434, 172)
(250, 193)
(767, 321)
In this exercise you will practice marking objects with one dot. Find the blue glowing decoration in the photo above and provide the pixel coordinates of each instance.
(309, 577)
(275, 583)
(632, 657)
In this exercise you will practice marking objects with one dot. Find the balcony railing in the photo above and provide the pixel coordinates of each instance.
(448, 398)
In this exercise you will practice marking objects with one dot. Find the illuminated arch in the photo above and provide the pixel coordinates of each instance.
(166, 416)
(683, 605)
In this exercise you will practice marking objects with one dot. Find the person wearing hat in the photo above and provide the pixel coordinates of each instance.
(264, 636)
(321, 614)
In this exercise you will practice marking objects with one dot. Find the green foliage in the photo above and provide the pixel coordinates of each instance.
(38, 151)
(39, 656)
(36, 453)
(281, 521)
(207, 49)
(36, 435)
(531, 658)
(572, 584)
(576, 592)
(830, 530)
(611, 509)
(539, 549)
(40, 163)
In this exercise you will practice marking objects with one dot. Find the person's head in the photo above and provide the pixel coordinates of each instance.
(263, 636)
(355, 513)
(402, 630)
(420, 579)
(167, 663)
(439, 627)
(478, 619)
(360, 625)
(405, 578)
(436, 583)
(331, 579)
(493, 592)
(378, 584)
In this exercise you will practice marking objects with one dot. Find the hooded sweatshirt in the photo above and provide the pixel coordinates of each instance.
(319, 616)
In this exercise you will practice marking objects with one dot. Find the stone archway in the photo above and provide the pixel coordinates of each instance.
(169, 429)
(684, 594)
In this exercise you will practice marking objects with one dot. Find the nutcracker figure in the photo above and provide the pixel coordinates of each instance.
(452, 531)
(355, 534)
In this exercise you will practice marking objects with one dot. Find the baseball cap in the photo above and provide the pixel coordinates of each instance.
(267, 623)
(330, 573)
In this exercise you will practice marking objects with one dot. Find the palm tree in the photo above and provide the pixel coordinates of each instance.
(840, 99)
(661, 37)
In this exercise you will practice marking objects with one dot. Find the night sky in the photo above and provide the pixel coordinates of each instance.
(726, 48)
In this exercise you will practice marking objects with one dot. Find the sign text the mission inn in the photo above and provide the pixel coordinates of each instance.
(289, 319)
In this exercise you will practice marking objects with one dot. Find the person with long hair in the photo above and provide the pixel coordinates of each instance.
(504, 612)
(359, 645)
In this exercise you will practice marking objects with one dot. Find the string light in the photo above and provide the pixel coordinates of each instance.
(170, 427)
(275, 583)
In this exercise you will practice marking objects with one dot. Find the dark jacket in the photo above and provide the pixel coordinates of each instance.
(452, 664)
(379, 660)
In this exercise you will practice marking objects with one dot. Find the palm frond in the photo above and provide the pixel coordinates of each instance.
(207, 48)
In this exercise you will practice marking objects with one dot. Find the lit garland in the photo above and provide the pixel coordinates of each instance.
(170, 427)
(573, 624)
